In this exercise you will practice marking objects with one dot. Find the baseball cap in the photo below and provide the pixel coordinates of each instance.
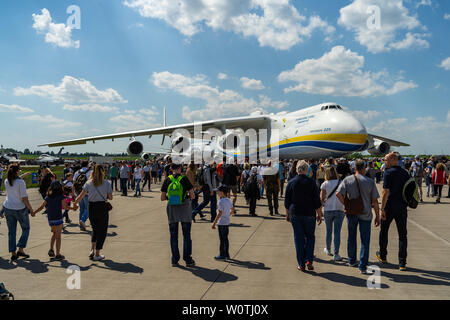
(222, 188)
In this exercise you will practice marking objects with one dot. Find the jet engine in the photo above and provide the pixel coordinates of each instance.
(135, 148)
(378, 147)
(146, 156)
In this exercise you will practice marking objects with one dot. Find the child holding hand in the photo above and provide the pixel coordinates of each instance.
(222, 220)
(55, 202)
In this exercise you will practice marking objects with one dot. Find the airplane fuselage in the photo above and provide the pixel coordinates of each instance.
(315, 132)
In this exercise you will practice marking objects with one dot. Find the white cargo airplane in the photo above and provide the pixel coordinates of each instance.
(319, 131)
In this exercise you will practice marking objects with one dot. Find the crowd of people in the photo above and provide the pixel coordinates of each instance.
(325, 190)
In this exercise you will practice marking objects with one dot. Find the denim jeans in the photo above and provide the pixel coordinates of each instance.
(333, 220)
(84, 209)
(207, 198)
(364, 232)
(224, 243)
(400, 218)
(138, 186)
(123, 186)
(187, 241)
(114, 183)
(12, 217)
(304, 228)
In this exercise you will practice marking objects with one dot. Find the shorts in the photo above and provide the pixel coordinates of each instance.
(233, 188)
(54, 223)
(154, 174)
(419, 181)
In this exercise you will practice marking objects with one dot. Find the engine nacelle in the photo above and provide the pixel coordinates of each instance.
(135, 148)
(378, 147)
(146, 156)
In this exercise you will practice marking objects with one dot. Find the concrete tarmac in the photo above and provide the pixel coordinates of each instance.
(263, 265)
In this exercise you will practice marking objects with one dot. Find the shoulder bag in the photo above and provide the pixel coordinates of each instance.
(354, 206)
(109, 206)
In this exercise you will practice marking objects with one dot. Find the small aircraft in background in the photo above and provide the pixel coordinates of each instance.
(10, 157)
(46, 158)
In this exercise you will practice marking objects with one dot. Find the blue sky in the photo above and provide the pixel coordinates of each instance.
(132, 58)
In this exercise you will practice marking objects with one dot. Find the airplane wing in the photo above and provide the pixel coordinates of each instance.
(256, 122)
(390, 141)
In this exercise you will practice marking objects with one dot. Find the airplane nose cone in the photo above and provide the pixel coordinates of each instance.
(349, 124)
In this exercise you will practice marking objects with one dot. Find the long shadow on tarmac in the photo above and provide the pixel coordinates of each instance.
(341, 278)
(210, 275)
(421, 276)
(120, 267)
(440, 278)
(33, 265)
(248, 264)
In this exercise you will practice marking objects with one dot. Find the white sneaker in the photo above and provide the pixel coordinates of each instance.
(328, 253)
(337, 257)
(100, 257)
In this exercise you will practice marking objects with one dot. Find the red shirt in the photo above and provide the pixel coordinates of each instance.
(438, 177)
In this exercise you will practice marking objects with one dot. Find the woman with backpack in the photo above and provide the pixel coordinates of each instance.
(98, 191)
(439, 179)
(244, 176)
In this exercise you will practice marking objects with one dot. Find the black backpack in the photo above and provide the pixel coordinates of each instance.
(251, 186)
(411, 193)
(80, 182)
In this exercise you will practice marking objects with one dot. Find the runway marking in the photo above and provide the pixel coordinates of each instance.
(431, 233)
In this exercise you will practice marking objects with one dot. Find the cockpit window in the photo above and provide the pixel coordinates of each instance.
(333, 107)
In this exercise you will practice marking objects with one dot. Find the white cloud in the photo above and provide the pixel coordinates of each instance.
(152, 111)
(447, 16)
(218, 103)
(56, 33)
(131, 120)
(411, 40)
(72, 90)
(445, 64)
(340, 73)
(425, 3)
(14, 108)
(90, 107)
(251, 84)
(222, 76)
(367, 115)
(51, 121)
(274, 23)
(394, 18)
